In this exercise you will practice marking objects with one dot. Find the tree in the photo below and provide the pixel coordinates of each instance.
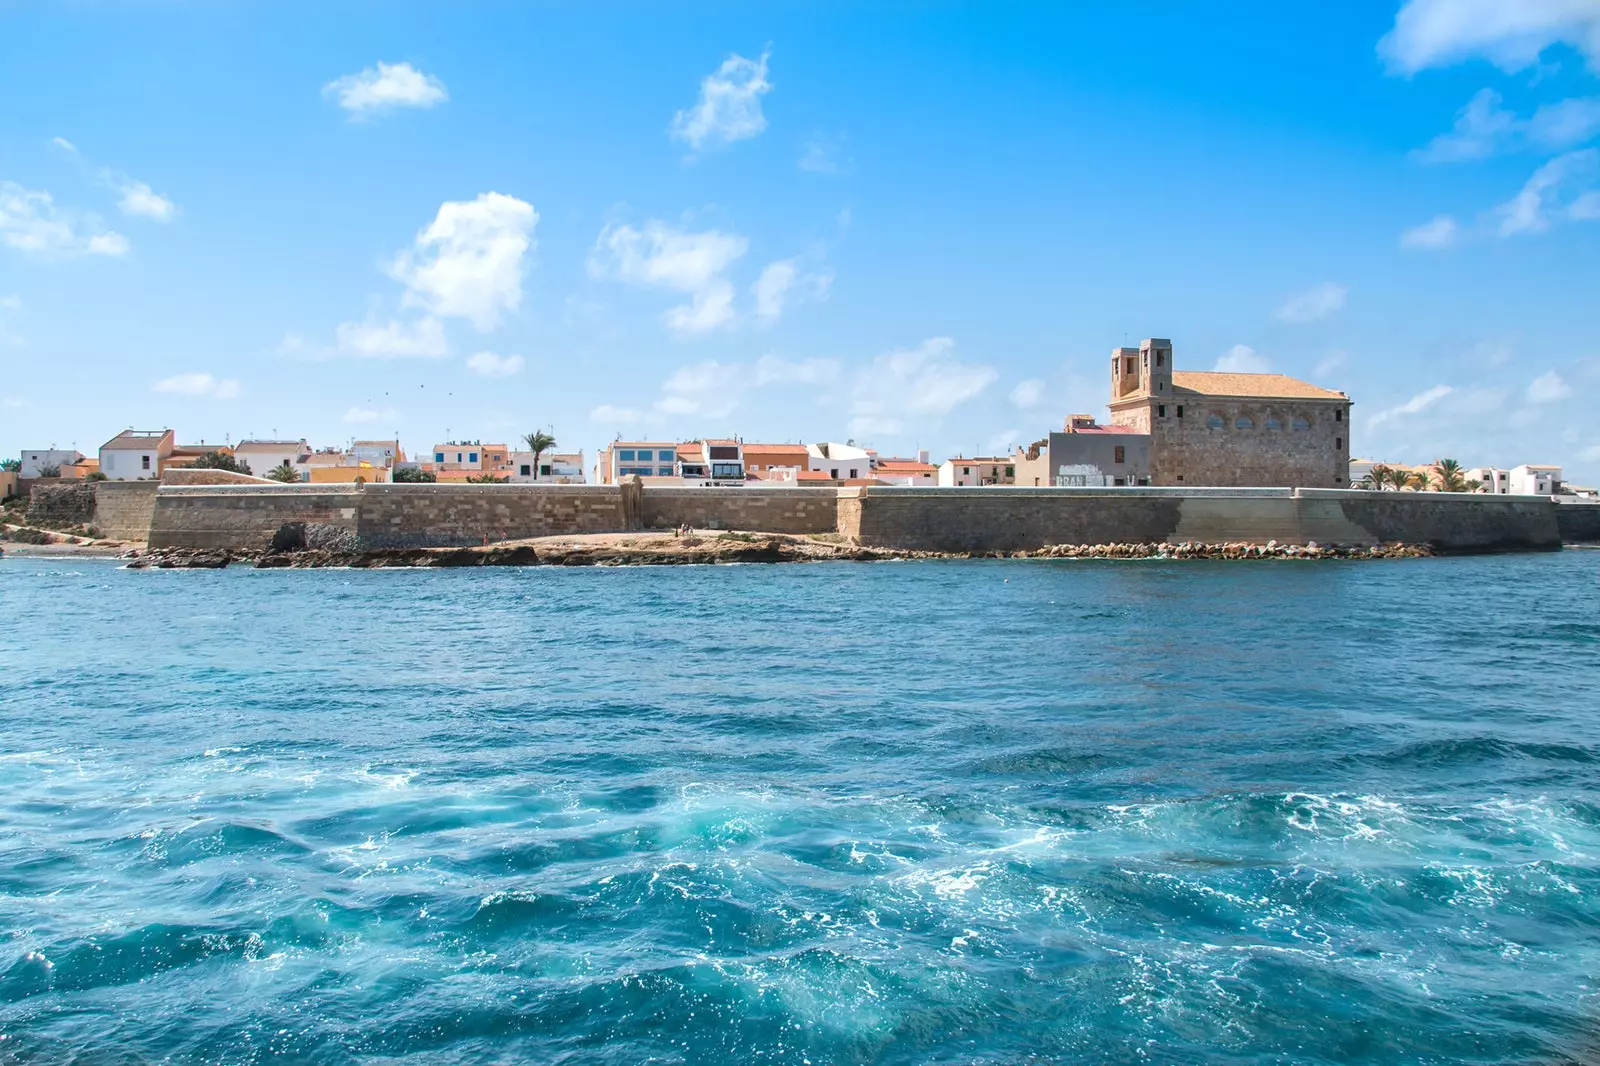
(50, 471)
(1420, 481)
(413, 476)
(1450, 476)
(284, 472)
(1377, 477)
(10, 466)
(220, 461)
(487, 479)
(95, 475)
(538, 443)
(1399, 477)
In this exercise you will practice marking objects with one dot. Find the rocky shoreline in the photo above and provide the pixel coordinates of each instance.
(740, 548)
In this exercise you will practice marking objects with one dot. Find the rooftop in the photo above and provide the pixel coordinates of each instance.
(1215, 383)
(138, 439)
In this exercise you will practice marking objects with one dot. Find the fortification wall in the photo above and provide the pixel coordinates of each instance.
(68, 503)
(1014, 519)
(122, 509)
(244, 517)
(189, 475)
(435, 516)
(1579, 522)
(768, 510)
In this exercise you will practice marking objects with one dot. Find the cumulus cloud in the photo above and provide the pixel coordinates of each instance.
(729, 108)
(1511, 35)
(909, 384)
(30, 222)
(1317, 302)
(1548, 388)
(383, 88)
(202, 385)
(423, 338)
(782, 283)
(660, 256)
(1558, 189)
(468, 262)
(1242, 359)
(65, 145)
(141, 200)
(490, 365)
(1440, 231)
(702, 390)
(1028, 394)
(1484, 128)
(366, 416)
(1418, 403)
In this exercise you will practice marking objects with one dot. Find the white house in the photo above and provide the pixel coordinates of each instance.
(382, 453)
(42, 458)
(264, 455)
(982, 470)
(558, 468)
(1489, 479)
(136, 454)
(840, 462)
(1534, 480)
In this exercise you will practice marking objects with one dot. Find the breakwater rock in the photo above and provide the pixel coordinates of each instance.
(1232, 550)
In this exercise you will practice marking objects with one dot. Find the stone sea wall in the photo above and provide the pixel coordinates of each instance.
(245, 517)
(123, 509)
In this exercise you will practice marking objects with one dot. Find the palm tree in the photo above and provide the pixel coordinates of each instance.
(538, 443)
(486, 479)
(284, 472)
(1377, 477)
(1399, 477)
(1450, 476)
(1420, 481)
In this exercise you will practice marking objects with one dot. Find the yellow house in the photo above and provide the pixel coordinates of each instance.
(366, 473)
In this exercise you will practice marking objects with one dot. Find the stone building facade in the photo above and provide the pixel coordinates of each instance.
(1213, 428)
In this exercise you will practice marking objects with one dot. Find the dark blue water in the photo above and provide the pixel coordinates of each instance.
(901, 813)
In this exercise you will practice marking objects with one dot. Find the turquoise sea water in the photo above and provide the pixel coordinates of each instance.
(901, 813)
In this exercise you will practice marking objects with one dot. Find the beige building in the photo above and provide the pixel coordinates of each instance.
(1211, 428)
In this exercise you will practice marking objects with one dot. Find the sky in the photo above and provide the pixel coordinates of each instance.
(907, 225)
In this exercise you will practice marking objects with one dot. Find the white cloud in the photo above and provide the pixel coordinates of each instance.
(1484, 128)
(823, 155)
(660, 256)
(1418, 403)
(65, 145)
(1028, 394)
(12, 302)
(468, 262)
(782, 282)
(1242, 359)
(1554, 189)
(31, 222)
(384, 88)
(702, 390)
(1315, 303)
(729, 108)
(490, 365)
(774, 370)
(366, 416)
(1331, 362)
(373, 340)
(914, 383)
(1438, 232)
(1509, 33)
(1548, 388)
(139, 199)
(199, 385)
(1002, 443)
(607, 413)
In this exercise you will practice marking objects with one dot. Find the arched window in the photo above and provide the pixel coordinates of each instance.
(1272, 423)
(1300, 422)
(1214, 422)
(1244, 422)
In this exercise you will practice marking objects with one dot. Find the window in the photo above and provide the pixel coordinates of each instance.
(1337, 480)
(145, 462)
(438, 457)
(1272, 423)
(1214, 422)
(1161, 410)
(527, 469)
(664, 471)
(472, 457)
(1180, 477)
(1180, 410)
(1130, 366)
(666, 455)
(853, 472)
(1121, 454)
(966, 470)
(1299, 422)
(1117, 481)
(1244, 422)
(1338, 415)
(1338, 443)
(544, 470)
(1011, 471)
(625, 456)
(834, 473)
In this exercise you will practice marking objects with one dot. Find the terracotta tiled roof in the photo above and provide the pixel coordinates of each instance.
(1213, 383)
(904, 466)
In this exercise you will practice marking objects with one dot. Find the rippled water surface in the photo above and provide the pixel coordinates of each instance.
(901, 813)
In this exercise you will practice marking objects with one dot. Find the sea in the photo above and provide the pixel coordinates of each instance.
(987, 812)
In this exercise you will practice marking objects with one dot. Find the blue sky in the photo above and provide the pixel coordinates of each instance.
(910, 225)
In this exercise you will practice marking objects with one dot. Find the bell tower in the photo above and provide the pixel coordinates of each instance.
(1125, 377)
(1155, 366)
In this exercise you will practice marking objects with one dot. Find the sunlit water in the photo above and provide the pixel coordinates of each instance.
(899, 812)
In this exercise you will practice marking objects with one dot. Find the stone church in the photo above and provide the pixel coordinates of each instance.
(1212, 428)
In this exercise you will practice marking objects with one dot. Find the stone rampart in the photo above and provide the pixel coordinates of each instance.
(244, 517)
(123, 509)
(68, 503)
(441, 516)
(1579, 522)
(767, 510)
(192, 475)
